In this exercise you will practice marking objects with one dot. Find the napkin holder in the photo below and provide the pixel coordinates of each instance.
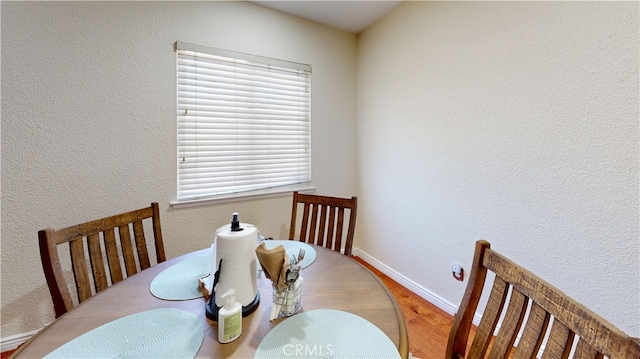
(211, 307)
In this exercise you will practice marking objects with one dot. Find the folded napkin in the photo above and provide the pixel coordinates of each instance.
(273, 264)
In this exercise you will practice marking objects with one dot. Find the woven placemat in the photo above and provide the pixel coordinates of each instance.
(292, 248)
(180, 281)
(326, 333)
(158, 333)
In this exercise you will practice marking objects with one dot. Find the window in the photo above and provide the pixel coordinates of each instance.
(243, 123)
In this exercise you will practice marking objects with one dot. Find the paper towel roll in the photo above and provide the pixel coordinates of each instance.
(237, 251)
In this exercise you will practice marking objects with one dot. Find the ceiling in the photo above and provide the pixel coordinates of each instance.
(349, 16)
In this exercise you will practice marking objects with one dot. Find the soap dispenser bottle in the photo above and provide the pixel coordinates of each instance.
(229, 318)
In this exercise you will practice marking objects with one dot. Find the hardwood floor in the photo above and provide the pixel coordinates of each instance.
(428, 326)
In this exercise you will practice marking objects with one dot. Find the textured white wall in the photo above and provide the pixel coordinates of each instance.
(515, 122)
(88, 122)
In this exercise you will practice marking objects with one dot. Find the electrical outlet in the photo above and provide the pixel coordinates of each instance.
(458, 272)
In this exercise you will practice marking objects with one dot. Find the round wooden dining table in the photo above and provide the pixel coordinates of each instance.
(332, 281)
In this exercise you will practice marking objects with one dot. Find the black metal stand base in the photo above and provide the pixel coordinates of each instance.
(212, 309)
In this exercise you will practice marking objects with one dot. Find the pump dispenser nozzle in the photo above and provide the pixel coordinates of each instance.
(235, 223)
(229, 298)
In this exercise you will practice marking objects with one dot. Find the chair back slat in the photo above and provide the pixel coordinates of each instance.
(113, 258)
(559, 342)
(103, 267)
(312, 220)
(323, 221)
(489, 320)
(533, 333)
(586, 351)
(79, 263)
(338, 227)
(511, 326)
(550, 310)
(330, 225)
(305, 221)
(97, 264)
(323, 227)
(127, 250)
(141, 245)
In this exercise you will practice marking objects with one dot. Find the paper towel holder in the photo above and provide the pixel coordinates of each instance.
(212, 309)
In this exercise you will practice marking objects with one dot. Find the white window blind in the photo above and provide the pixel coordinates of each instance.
(243, 122)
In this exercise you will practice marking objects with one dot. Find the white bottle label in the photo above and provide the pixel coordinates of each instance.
(232, 327)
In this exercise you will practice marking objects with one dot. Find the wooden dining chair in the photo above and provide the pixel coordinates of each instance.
(536, 309)
(93, 269)
(323, 220)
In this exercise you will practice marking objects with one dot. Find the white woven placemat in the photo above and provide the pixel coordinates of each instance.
(326, 333)
(158, 333)
(180, 281)
(292, 248)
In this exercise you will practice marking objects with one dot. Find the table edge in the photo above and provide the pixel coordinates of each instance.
(403, 343)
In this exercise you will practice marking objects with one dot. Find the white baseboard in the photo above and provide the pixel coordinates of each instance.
(414, 287)
(12, 342)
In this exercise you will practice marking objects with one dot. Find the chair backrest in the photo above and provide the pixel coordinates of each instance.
(88, 240)
(535, 309)
(323, 220)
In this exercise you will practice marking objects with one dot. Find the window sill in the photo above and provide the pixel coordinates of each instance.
(232, 197)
